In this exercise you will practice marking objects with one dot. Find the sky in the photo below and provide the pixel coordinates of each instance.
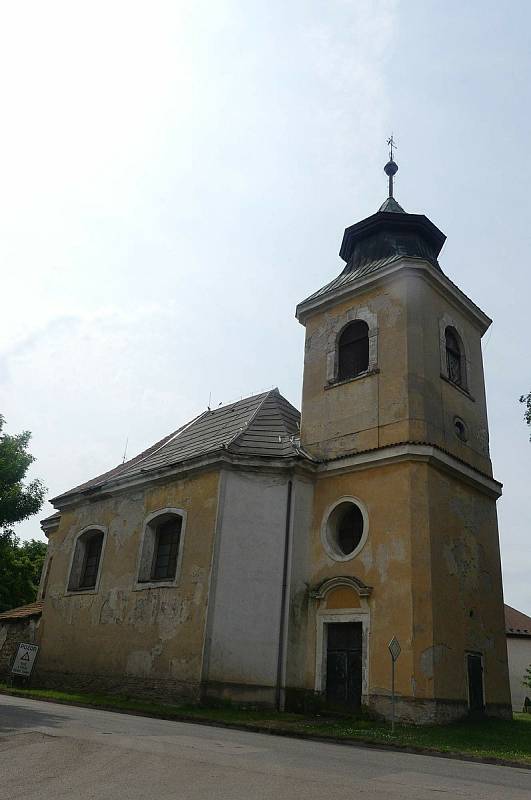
(176, 176)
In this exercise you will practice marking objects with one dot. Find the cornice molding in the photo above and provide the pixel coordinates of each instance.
(410, 451)
(341, 581)
(219, 459)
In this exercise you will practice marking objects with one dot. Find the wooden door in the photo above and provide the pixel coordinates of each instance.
(344, 665)
(475, 683)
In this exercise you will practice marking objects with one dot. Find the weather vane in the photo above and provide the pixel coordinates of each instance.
(391, 168)
(391, 143)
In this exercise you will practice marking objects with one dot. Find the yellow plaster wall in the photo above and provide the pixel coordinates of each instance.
(341, 598)
(434, 402)
(385, 563)
(467, 587)
(406, 399)
(120, 630)
(431, 557)
(351, 416)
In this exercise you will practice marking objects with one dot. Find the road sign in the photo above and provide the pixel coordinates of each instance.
(24, 659)
(394, 648)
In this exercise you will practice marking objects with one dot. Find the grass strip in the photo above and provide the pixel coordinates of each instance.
(507, 741)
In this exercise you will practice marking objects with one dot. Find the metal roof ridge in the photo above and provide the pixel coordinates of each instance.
(253, 416)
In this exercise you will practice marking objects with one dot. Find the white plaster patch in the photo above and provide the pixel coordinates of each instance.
(366, 557)
(430, 657)
(390, 550)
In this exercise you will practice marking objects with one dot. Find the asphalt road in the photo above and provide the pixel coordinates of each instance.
(55, 751)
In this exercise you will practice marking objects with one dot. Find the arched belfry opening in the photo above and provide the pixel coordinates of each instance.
(353, 350)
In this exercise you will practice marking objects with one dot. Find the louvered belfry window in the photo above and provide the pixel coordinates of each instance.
(166, 551)
(353, 350)
(453, 357)
(93, 545)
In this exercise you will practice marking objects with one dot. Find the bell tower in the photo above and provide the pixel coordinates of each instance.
(394, 413)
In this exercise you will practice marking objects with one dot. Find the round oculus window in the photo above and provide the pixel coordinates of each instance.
(460, 429)
(345, 530)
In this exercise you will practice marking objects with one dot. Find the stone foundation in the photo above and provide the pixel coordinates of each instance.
(417, 711)
(240, 694)
(151, 688)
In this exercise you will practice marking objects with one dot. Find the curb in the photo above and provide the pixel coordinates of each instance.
(369, 744)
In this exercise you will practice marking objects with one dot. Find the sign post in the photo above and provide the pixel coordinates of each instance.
(395, 650)
(24, 660)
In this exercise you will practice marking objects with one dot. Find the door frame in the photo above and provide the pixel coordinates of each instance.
(323, 619)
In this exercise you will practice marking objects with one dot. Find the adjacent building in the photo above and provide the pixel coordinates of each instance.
(518, 630)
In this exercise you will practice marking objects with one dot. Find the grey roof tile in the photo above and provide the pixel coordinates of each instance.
(262, 425)
(349, 277)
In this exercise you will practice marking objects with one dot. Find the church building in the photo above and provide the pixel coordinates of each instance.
(269, 557)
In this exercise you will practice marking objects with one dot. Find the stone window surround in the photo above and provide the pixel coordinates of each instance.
(147, 548)
(332, 346)
(446, 321)
(323, 618)
(77, 556)
(325, 533)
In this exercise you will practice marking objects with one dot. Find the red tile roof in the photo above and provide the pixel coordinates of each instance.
(517, 623)
(22, 612)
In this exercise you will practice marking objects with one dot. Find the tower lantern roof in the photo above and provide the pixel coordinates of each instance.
(391, 232)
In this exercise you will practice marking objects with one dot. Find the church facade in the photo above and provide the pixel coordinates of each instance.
(268, 557)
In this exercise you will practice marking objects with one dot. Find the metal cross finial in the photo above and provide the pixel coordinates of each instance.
(391, 143)
(391, 168)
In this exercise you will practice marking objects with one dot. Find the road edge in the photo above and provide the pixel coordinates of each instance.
(253, 728)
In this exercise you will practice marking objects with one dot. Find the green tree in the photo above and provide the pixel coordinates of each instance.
(526, 399)
(20, 570)
(20, 564)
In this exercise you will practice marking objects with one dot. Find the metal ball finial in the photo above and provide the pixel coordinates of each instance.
(391, 168)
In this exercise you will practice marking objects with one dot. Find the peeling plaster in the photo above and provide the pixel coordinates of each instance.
(430, 657)
(393, 549)
(114, 607)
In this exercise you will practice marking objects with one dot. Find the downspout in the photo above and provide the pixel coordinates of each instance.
(282, 625)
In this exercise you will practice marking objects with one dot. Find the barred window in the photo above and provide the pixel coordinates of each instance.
(92, 561)
(353, 350)
(86, 561)
(167, 537)
(161, 547)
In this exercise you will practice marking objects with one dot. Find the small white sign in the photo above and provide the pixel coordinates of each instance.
(24, 659)
(394, 648)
